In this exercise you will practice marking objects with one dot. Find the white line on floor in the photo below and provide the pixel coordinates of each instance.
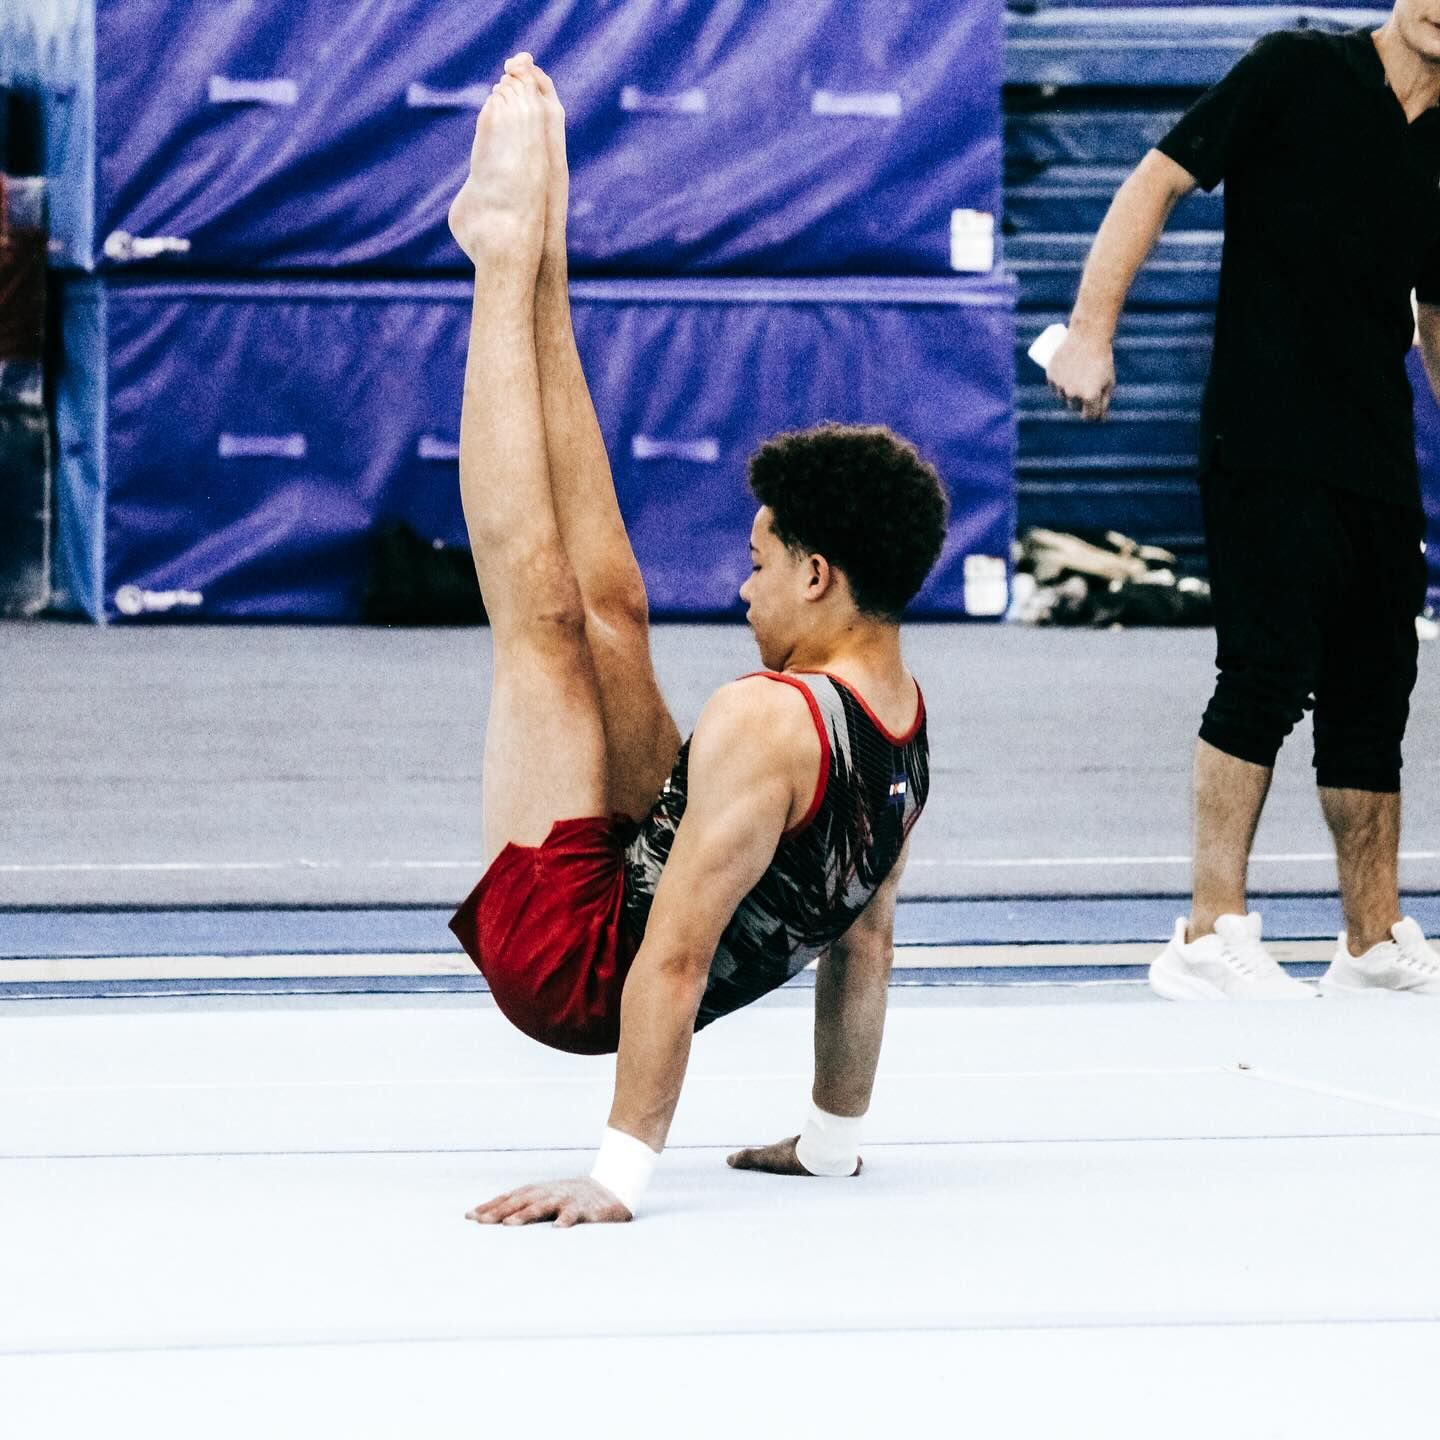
(999, 1321)
(27, 1157)
(1040, 862)
(1065, 861)
(1380, 1102)
(127, 1087)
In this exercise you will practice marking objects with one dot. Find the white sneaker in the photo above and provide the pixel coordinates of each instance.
(1230, 964)
(1405, 965)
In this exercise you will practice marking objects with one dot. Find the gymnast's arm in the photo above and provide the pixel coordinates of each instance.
(851, 990)
(754, 751)
(852, 986)
(743, 791)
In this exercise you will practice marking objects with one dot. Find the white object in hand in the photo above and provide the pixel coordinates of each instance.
(1051, 338)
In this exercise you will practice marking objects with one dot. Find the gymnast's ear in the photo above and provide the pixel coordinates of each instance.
(820, 579)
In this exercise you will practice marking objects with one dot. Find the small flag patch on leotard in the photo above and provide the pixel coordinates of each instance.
(897, 788)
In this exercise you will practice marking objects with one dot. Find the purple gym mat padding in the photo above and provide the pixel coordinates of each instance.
(833, 136)
(227, 450)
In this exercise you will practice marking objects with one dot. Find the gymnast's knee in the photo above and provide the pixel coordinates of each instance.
(616, 602)
(533, 599)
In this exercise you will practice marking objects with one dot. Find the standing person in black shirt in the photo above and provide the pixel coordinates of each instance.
(1329, 146)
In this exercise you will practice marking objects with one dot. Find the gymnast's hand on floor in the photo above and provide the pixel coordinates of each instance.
(777, 1159)
(566, 1202)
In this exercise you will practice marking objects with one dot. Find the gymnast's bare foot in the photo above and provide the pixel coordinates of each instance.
(498, 218)
(557, 197)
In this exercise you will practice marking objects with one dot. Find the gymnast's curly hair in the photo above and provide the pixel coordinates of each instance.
(864, 499)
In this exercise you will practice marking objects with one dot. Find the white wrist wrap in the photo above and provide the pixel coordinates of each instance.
(624, 1167)
(829, 1144)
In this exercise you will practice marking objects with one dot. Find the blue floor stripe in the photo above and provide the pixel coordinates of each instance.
(907, 979)
(83, 934)
(40, 934)
(1113, 920)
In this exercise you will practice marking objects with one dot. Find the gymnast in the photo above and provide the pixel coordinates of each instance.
(636, 888)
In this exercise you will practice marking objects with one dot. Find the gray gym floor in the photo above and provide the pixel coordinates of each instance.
(285, 765)
(1065, 1177)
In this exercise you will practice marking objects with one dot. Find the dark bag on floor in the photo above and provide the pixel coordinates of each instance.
(414, 581)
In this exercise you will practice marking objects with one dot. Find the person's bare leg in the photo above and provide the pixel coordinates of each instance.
(641, 736)
(1366, 828)
(1229, 795)
(544, 744)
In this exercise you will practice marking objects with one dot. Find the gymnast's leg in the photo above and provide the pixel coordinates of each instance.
(640, 734)
(545, 741)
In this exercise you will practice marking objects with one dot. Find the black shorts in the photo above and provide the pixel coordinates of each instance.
(1316, 590)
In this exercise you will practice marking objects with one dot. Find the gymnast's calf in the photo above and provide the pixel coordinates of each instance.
(636, 888)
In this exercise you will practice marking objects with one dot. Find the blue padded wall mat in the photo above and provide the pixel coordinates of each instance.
(328, 409)
(837, 136)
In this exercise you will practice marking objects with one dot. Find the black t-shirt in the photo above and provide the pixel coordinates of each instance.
(1332, 217)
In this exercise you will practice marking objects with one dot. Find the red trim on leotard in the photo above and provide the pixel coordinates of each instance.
(823, 782)
(875, 720)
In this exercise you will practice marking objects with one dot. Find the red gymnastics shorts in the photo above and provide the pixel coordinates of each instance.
(543, 926)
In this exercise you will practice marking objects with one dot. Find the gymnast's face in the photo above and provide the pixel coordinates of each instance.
(774, 595)
(1418, 22)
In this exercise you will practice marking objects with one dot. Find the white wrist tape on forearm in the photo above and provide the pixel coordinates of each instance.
(829, 1144)
(624, 1167)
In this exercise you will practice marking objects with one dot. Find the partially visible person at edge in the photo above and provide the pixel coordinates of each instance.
(638, 888)
(1329, 147)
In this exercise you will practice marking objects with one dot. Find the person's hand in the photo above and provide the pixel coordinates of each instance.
(1082, 374)
(566, 1202)
(777, 1159)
